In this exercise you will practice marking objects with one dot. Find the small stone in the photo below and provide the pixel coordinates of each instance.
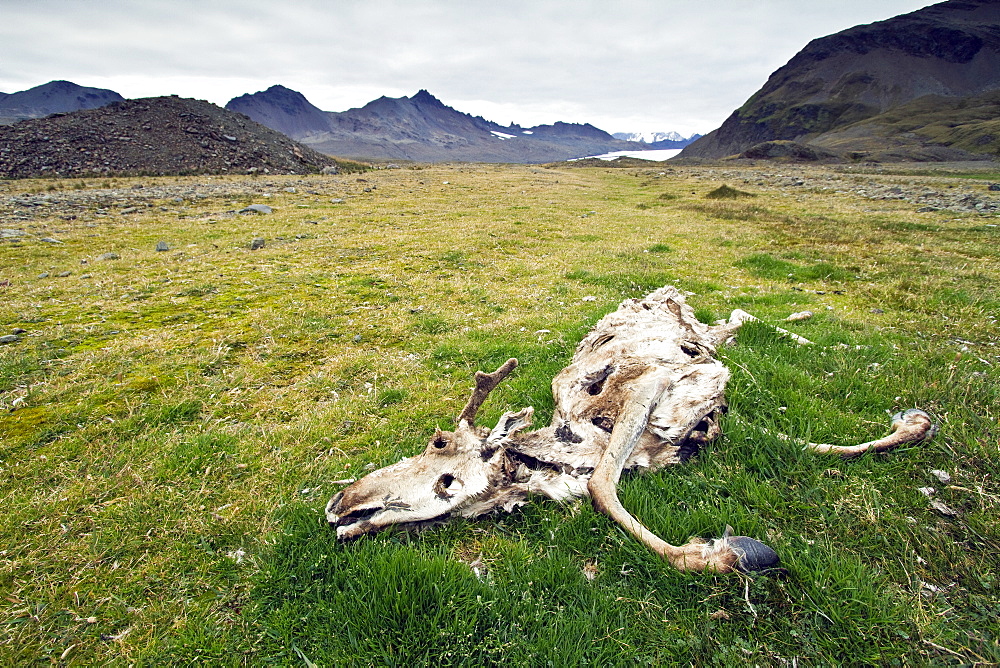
(589, 298)
(926, 209)
(257, 244)
(64, 274)
(801, 315)
(927, 491)
(877, 310)
(336, 200)
(162, 246)
(9, 338)
(329, 170)
(357, 338)
(255, 209)
(994, 186)
(291, 190)
(942, 508)
(12, 234)
(50, 240)
(18, 330)
(109, 256)
(44, 274)
(943, 476)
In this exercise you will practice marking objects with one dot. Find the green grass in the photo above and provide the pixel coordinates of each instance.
(172, 427)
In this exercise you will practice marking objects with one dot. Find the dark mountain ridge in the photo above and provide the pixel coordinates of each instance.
(949, 50)
(420, 128)
(52, 98)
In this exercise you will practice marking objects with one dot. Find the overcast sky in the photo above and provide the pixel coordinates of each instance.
(627, 65)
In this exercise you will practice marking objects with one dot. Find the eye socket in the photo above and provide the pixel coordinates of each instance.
(439, 442)
(443, 484)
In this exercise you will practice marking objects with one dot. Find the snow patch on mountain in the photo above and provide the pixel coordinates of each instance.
(649, 137)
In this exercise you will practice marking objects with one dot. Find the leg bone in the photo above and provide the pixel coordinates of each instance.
(721, 556)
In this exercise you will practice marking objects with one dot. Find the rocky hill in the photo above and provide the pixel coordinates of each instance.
(950, 51)
(52, 98)
(420, 128)
(160, 135)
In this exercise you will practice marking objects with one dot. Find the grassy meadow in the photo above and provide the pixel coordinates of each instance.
(172, 423)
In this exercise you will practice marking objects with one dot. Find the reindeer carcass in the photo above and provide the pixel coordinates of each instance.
(642, 391)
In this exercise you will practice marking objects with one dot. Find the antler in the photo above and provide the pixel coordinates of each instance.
(485, 382)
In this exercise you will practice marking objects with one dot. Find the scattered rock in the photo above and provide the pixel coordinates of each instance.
(256, 208)
(162, 246)
(44, 274)
(357, 338)
(942, 508)
(801, 315)
(12, 234)
(257, 244)
(109, 256)
(50, 240)
(995, 186)
(943, 476)
(336, 200)
(329, 170)
(927, 491)
(18, 330)
(9, 338)
(64, 274)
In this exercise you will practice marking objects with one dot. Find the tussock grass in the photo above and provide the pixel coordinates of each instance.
(173, 424)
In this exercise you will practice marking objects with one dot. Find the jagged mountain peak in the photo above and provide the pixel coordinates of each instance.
(424, 97)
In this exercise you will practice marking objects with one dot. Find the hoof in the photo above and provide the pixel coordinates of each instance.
(753, 555)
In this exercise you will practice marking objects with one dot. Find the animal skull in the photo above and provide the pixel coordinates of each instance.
(642, 391)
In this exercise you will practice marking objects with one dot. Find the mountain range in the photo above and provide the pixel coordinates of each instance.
(657, 140)
(420, 128)
(920, 86)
